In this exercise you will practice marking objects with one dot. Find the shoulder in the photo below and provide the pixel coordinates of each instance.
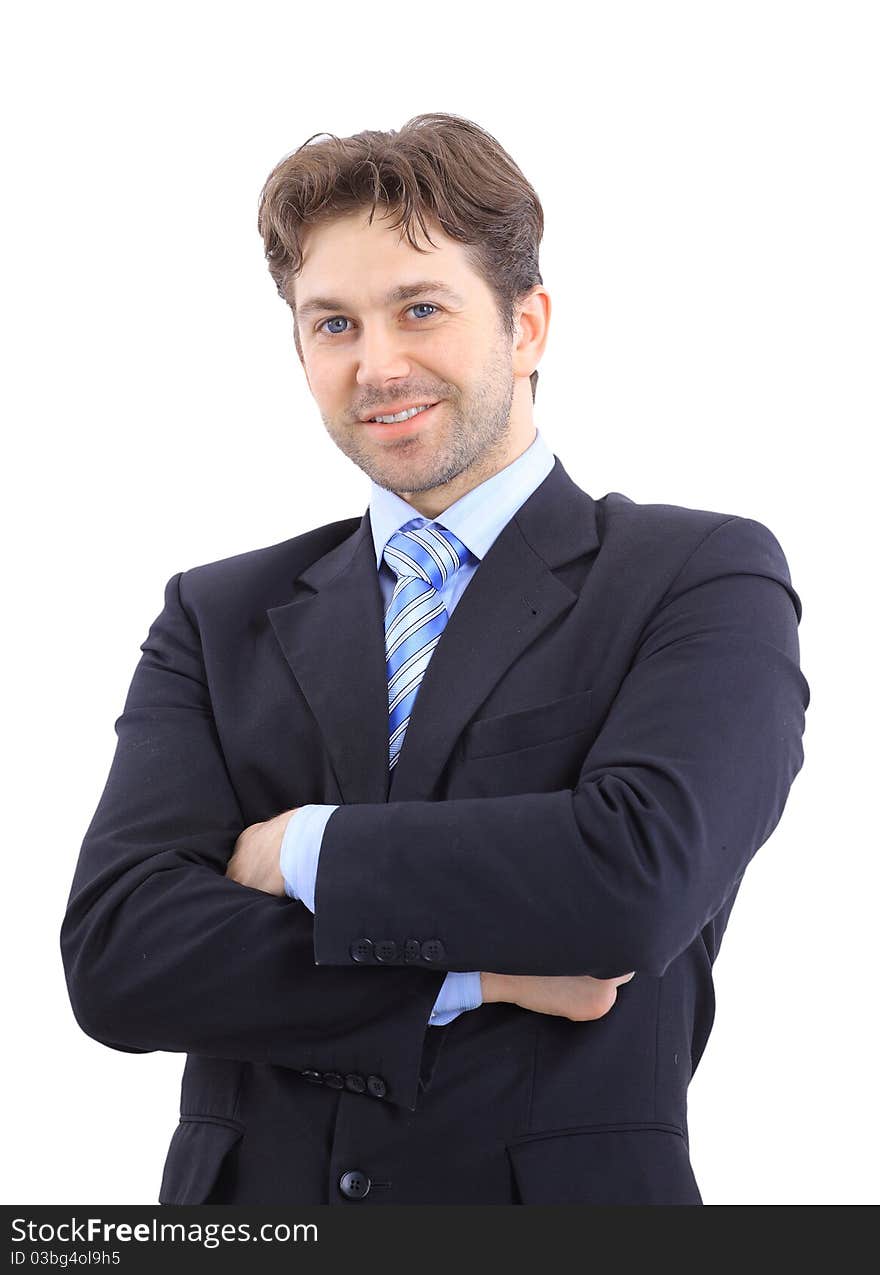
(684, 545)
(263, 576)
(674, 532)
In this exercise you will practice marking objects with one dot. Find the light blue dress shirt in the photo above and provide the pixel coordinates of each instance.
(477, 519)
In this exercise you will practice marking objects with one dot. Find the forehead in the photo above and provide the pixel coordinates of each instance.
(347, 260)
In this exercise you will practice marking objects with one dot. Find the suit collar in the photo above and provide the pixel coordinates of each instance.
(332, 636)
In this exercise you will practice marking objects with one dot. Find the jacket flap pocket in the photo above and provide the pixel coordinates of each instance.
(605, 1164)
(198, 1148)
(540, 724)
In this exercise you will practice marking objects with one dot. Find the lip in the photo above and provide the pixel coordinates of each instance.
(397, 428)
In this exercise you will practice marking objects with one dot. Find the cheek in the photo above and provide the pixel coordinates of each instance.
(324, 377)
(447, 360)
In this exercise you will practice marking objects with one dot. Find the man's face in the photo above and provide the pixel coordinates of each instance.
(367, 353)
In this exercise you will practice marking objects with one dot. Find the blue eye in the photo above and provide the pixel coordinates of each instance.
(338, 318)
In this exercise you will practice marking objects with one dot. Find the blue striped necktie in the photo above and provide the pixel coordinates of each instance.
(423, 558)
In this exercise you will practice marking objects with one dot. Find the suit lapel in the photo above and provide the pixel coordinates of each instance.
(333, 637)
(334, 641)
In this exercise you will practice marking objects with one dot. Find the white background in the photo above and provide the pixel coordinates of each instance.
(708, 173)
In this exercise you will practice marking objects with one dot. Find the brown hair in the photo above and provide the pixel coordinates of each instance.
(437, 166)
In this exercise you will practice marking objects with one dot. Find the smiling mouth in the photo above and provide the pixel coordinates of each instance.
(409, 425)
(395, 418)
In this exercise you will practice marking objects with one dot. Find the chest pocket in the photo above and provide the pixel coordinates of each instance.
(528, 727)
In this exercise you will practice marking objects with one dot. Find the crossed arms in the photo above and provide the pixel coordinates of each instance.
(686, 779)
(255, 862)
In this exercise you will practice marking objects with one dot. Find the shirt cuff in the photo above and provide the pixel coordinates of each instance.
(460, 992)
(300, 849)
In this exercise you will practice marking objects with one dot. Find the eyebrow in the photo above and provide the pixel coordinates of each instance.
(316, 305)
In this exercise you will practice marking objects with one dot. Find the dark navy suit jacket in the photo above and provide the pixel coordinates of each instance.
(605, 735)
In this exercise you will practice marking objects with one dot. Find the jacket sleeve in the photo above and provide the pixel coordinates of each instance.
(300, 852)
(687, 777)
(162, 951)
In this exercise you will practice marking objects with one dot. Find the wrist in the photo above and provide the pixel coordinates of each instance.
(496, 987)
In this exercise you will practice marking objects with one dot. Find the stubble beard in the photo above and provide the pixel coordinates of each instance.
(470, 436)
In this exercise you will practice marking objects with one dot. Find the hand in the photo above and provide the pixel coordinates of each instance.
(580, 998)
(256, 856)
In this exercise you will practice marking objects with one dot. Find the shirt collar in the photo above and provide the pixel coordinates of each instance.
(480, 515)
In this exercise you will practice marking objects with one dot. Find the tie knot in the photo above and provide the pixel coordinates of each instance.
(428, 552)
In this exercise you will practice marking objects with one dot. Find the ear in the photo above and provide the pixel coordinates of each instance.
(532, 328)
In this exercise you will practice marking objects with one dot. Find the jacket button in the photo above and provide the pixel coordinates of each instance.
(412, 950)
(386, 950)
(314, 1077)
(377, 1086)
(355, 1083)
(334, 1080)
(361, 950)
(433, 950)
(354, 1184)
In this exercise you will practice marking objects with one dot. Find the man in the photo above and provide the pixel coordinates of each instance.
(424, 826)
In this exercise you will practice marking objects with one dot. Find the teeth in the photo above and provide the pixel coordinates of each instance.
(402, 416)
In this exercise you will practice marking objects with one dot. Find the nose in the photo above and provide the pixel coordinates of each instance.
(381, 356)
